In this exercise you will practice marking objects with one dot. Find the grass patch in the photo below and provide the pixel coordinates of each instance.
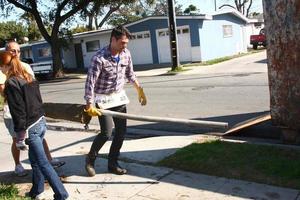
(258, 163)
(222, 59)
(176, 70)
(218, 60)
(185, 67)
(9, 192)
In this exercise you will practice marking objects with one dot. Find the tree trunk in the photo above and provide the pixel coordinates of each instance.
(282, 25)
(56, 58)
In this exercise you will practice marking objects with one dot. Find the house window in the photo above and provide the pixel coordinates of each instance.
(146, 35)
(161, 33)
(227, 30)
(185, 30)
(44, 52)
(257, 24)
(139, 36)
(92, 45)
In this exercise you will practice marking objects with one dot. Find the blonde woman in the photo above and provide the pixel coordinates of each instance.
(14, 48)
(25, 103)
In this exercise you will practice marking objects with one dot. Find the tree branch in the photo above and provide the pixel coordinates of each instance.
(61, 6)
(111, 10)
(227, 5)
(36, 15)
(248, 9)
(80, 6)
(19, 5)
(60, 19)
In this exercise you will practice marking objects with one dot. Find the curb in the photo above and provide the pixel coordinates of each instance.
(135, 133)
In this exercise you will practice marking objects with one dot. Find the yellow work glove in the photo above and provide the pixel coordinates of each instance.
(92, 111)
(142, 96)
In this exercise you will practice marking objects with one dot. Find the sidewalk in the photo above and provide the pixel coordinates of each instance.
(150, 72)
(144, 180)
(217, 68)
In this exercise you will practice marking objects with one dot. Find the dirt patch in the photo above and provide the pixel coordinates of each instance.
(22, 183)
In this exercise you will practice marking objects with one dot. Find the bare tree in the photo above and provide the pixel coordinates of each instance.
(243, 6)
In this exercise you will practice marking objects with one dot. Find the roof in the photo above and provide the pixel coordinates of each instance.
(233, 12)
(201, 16)
(91, 33)
(97, 32)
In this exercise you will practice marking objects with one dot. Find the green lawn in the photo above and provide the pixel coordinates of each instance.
(222, 59)
(258, 163)
(10, 192)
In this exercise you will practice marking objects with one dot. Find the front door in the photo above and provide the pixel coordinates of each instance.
(79, 55)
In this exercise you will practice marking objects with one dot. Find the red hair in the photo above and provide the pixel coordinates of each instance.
(15, 66)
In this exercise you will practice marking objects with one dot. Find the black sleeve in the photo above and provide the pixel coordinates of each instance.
(16, 105)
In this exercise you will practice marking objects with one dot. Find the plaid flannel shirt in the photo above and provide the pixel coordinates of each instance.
(106, 75)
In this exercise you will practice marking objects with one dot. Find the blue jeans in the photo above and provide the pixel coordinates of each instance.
(41, 168)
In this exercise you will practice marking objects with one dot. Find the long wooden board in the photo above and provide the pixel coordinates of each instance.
(248, 123)
(74, 112)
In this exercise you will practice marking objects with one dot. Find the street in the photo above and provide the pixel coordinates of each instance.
(230, 92)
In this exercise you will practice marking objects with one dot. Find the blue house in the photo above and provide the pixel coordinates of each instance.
(200, 38)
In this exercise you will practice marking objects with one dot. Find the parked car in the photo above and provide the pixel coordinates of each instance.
(27, 60)
(258, 40)
(40, 69)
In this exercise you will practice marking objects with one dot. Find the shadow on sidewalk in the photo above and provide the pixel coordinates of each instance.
(140, 173)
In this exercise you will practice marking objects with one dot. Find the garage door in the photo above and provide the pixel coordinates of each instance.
(140, 48)
(184, 45)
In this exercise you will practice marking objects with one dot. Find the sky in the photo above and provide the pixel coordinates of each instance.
(205, 6)
(208, 6)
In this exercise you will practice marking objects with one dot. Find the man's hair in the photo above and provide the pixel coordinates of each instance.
(120, 31)
(8, 42)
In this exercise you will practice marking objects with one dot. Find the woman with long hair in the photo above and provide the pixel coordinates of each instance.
(25, 103)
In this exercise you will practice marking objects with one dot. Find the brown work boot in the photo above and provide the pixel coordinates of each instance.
(116, 169)
(90, 166)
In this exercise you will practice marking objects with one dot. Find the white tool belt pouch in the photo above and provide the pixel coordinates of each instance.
(114, 99)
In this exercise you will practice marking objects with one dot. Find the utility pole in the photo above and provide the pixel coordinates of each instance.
(215, 5)
(282, 27)
(173, 35)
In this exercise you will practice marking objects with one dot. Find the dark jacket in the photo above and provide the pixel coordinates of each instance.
(24, 101)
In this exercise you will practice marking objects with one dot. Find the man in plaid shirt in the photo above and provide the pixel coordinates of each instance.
(109, 69)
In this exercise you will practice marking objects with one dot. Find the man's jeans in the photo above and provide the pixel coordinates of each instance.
(41, 168)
